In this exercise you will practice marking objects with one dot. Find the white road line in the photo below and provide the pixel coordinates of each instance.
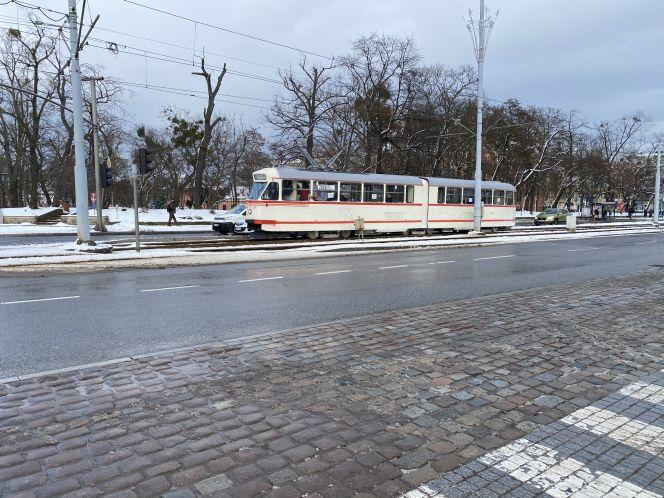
(39, 300)
(496, 257)
(584, 249)
(333, 272)
(440, 262)
(259, 279)
(390, 267)
(170, 288)
(644, 243)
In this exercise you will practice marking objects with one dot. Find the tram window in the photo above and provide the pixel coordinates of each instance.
(499, 197)
(373, 192)
(441, 195)
(410, 193)
(487, 196)
(509, 198)
(468, 196)
(350, 192)
(256, 189)
(271, 192)
(453, 195)
(324, 191)
(394, 193)
(302, 190)
(288, 190)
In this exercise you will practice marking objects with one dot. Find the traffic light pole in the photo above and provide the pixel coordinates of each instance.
(134, 173)
(80, 171)
(95, 146)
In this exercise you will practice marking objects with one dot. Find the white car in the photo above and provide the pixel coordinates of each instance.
(232, 221)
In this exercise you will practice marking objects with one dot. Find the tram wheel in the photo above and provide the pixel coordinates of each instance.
(345, 234)
(293, 235)
(312, 235)
(428, 231)
(406, 233)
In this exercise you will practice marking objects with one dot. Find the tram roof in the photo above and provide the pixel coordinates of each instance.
(456, 182)
(332, 176)
(289, 172)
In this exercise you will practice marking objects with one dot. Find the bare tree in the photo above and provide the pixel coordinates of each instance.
(209, 123)
(380, 71)
(309, 100)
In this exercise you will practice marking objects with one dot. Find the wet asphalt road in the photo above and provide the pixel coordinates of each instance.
(88, 317)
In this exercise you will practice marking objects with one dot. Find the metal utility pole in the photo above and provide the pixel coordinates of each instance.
(480, 37)
(134, 173)
(99, 226)
(80, 171)
(658, 187)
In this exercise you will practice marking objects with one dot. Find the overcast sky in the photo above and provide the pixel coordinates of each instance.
(602, 58)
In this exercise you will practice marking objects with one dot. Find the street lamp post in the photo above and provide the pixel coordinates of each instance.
(480, 36)
(658, 187)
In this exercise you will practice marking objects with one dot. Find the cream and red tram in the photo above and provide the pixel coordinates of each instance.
(310, 202)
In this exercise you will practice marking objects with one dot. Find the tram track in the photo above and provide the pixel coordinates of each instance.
(251, 243)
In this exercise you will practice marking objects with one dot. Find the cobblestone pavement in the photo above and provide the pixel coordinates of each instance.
(377, 405)
(612, 448)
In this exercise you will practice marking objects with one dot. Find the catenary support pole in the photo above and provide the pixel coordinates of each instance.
(477, 212)
(134, 174)
(99, 226)
(80, 171)
(658, 187)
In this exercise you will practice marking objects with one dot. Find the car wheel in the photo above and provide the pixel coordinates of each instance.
(556, 221)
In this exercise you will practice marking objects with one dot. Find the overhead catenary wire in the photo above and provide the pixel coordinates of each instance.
(227, 30)
(29, 23)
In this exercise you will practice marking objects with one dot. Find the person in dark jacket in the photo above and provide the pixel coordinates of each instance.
(170, 207)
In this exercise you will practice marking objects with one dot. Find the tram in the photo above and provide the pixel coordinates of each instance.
(311, 203)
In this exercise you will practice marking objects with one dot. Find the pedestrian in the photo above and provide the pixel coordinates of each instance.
(630, 211)
(170, 208)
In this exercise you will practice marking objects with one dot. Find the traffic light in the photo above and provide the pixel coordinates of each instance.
(144, 161)
(106, 173)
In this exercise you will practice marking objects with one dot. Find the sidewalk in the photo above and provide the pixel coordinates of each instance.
(389, 404)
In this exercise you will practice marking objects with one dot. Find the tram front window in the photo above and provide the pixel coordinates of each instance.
(271, 193)
(256, 190)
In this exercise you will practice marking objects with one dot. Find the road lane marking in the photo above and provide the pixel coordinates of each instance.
(40, 300)
(440, 262)
(170, 288)
(643, 243)
(390, 267)
(259, 279)
(496, 257)
(333, 272)
(585, 249)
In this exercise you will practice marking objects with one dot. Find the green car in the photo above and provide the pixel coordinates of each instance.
(552, 216)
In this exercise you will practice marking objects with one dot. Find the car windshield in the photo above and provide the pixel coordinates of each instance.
(550, 211)
(239, 209)
(256, 190)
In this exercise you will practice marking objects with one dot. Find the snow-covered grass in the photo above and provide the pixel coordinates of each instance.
(119, 221)
(25, 211)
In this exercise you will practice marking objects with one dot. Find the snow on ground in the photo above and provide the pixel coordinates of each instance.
(120, 221)
(41, 256)
(25, 211)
